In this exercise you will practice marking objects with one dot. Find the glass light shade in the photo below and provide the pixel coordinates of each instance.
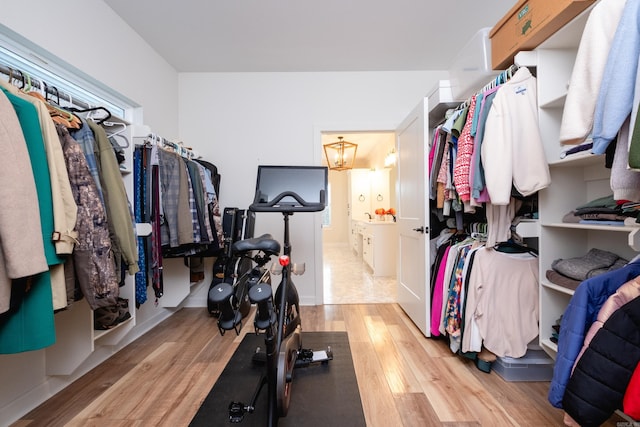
(340, 155)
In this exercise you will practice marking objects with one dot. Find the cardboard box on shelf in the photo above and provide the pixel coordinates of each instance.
(529, 23)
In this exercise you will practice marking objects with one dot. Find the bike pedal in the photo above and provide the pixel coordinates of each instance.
(236, 412)
(259, 358)
(305, 355)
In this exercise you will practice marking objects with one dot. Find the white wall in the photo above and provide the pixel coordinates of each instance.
(90, 37)
(240, 120)
(338, 231)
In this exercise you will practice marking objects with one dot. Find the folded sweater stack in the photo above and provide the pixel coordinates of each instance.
(601, 211)
(595, 262)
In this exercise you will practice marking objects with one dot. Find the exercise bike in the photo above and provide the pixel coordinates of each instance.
(277, 314)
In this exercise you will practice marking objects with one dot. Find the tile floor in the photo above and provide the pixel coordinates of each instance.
(348, 279)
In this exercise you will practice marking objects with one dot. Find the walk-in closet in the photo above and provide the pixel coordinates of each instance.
(487, 274)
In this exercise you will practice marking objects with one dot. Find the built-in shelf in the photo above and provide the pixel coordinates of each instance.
(528, 228)
(558, 288)
(556, 102)
(585, 158)
(578, 226)
(440, 100)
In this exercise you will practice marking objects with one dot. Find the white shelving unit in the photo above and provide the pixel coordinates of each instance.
(574, 181)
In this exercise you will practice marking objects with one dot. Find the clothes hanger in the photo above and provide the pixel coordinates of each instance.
(117, 134)
(512, 247)
(94, 109)
(57, 113)
(21, 79)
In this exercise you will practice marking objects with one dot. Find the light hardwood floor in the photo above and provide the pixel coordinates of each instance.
(404, 378)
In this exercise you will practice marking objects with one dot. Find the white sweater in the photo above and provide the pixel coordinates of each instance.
(512, 151)
(584, 86)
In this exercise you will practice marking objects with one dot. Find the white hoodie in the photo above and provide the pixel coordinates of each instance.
(512, 150)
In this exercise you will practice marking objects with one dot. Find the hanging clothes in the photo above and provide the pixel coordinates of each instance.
(62, 202)
(578, 317)
(87, 141)
(27, 324)
(64, 207)
(477, 179)
(618, 88)
(463, 160)
(596, 388)
(92, 256)
(157, 281)
(455, 298)
(588, 71)
(115, 198)
(139, 191)
(502, 302)
(512, 150)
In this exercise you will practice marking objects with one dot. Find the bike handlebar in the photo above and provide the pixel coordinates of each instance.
(276, 205)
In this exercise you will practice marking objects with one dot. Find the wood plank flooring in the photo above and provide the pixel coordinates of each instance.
(404, 378)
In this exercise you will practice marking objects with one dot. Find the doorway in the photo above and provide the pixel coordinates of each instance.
(347, 278)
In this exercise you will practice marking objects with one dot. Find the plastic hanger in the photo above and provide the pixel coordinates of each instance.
(514, 248)
(94, 109)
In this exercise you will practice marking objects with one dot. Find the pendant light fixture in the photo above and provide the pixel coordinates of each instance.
(340, 155)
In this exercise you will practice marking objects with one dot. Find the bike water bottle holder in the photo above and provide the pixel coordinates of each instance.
(297, 268)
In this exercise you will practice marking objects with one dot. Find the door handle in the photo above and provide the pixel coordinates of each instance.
(421, 229)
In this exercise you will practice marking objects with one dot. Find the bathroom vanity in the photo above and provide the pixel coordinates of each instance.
(377, 243)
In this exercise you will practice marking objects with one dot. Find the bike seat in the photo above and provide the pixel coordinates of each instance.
(265, 243)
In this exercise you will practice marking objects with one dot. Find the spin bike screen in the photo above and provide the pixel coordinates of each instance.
(308, 182)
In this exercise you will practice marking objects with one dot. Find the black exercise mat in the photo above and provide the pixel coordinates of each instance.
(323, 395)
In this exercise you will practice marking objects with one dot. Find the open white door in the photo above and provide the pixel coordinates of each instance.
(412, 217)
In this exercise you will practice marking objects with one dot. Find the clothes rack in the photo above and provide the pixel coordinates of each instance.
(178, 148)
(501, 78)
(29, 80)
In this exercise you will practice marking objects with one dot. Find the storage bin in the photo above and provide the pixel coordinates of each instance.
(471, 68)
(529, 23)
(536, 365)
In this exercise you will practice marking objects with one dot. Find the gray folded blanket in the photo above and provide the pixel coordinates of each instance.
(596, 261)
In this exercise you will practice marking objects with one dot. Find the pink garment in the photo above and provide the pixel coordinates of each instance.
(462, 166)
(442, 173)
(436, 304)
(503, 300)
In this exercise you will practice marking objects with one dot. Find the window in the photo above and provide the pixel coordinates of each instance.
(19, 53)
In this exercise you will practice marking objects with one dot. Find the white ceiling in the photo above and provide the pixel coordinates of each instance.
(306, 35)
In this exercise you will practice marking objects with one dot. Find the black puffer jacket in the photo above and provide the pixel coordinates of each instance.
(596, 387)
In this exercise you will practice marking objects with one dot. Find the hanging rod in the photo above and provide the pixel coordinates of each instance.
(51, 90)
(500, 79)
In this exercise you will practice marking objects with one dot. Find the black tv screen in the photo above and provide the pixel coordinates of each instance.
(306, 181)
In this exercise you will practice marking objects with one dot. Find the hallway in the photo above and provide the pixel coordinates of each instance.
(348, 279)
